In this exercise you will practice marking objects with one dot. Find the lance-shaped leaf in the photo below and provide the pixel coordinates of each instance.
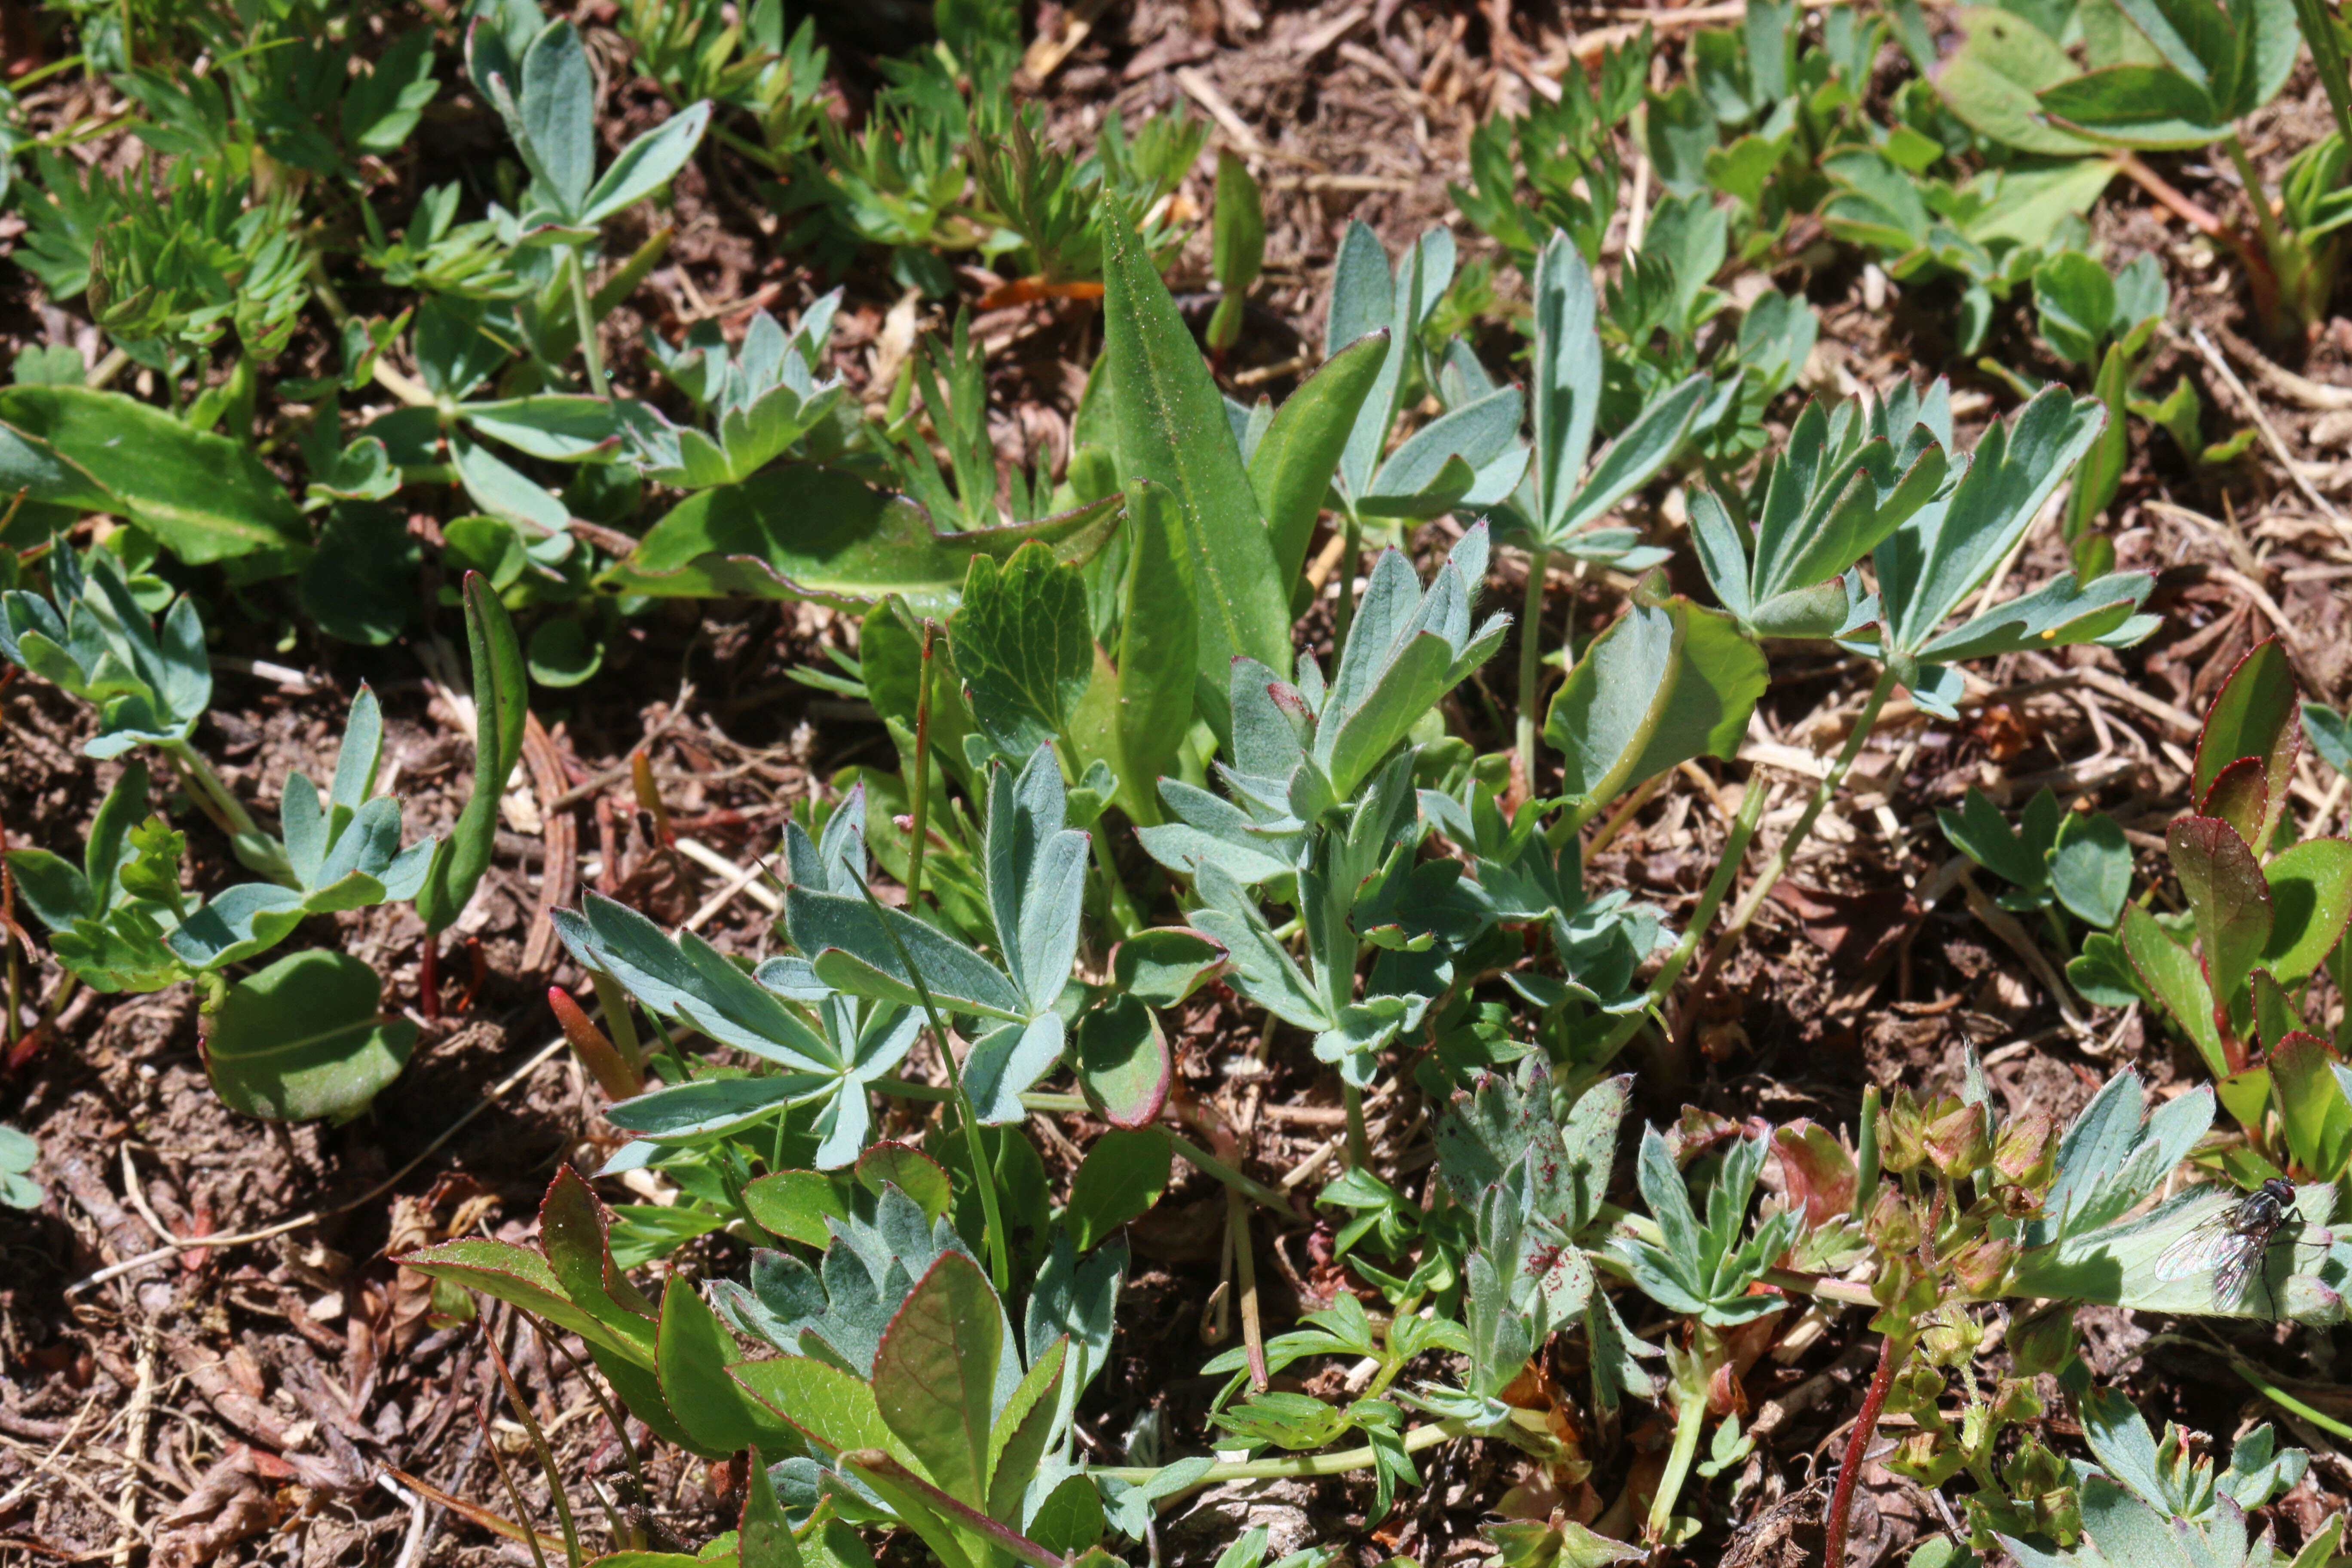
(1159, 641)
(2253, 720)
(1037, 878)
(459, 860)
(1669, 681)
(2227, 894)
(935, 1375)
(1290, 467)
(1170, 428)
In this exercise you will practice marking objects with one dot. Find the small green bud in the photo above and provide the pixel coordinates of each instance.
(2027, 1152)
(1900, 1126)
(2014, 1403)
(1951, 1339)
(1926, 1458)
(2043, 1343)
(1894, 1226)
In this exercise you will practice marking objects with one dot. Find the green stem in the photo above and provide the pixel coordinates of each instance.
(2286, 1401)
(1302, 1468)
(1359, 1143)
(921, 786)
(2265, 223)
(589, 351)
(1209, 1164)
(257, 851)
(1531, 661)
(1350, 552)
(669, 1046)
(1690, 1417)
(983, 1174)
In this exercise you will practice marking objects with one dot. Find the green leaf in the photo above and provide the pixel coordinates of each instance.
(1980, 831)
(1120, 1178)
(935, 1375)
(1669, 681)
(305, 1037)
(509, 1273)
(2226, 892)
(804, 532)
(691, 1355)
(912, 1172)
(501, 698)
(2311, 903)
(795, 1204)
(2171, 974)
(1158, 643)
(1989, 81)
(819, 1399)
(2312, 1108)
(647, 164)
(2331, 735)
(764, 1539)
(205, 498)
(1291, 469)
(2090, 870)
(2148, 108)
(555, 131)
(573, 1226)
(1236, 244)
(1022, 646)
(1123, 1062)
(1171, 429)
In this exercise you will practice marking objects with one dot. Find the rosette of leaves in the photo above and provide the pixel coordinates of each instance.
(1052, 200)
(304, 1036)
(2264, 916)
(763, 402)
(1468, 456)
(1518, 876)
(1704, 1268)
(91, 637)
(918, 1402)
(1555, 169)
(1033, 876)
(2150, 1503)
(831, 1047)
(1933, 539)
(2077, 861)
(1321, 799)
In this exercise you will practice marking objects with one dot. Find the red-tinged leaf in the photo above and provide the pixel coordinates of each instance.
(822, 1402)
(573, 1225)
(519, 1276)
(765, 1539)
(932, 1506)
(2237, 798)
(2311, 1105)
(935, 1375)
(1812, 1171)
(2253, 715)
(910, 1170)
(795, 1204)
(2227, 894)
(1124, 1066)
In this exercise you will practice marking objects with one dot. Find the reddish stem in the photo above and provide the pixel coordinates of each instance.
(1874, 1402)
(428, 976)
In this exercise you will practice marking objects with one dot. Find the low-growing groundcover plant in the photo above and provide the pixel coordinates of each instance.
(1197, 767)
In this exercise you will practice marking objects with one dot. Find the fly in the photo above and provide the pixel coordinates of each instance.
(2231, 1242)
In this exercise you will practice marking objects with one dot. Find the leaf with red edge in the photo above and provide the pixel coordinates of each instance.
(2238, 797)
(2253, 715)
(2313, 1111)
(1124, 1066)
(2169, 972)
(575, 1227)
(2226, 891)
(910, 1170)
(935, 1375)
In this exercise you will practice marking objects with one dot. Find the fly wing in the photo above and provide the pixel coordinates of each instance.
(2206, 1247)
(2239, 1262)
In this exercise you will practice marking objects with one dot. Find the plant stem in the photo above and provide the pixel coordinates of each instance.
(1350, 555)
(1857, 1442)
(1360, 1142)
(1304, 1466)
(2265, 223)
(257, 851)
(1690, 1419)
(1531, 661)
(1209, 1164)
(922, 781)
(1753, 900)
(589, 351)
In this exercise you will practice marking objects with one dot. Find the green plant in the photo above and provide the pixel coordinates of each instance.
(19, 1155)
(2266, 916)
(2076, 861)
(501, 713)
